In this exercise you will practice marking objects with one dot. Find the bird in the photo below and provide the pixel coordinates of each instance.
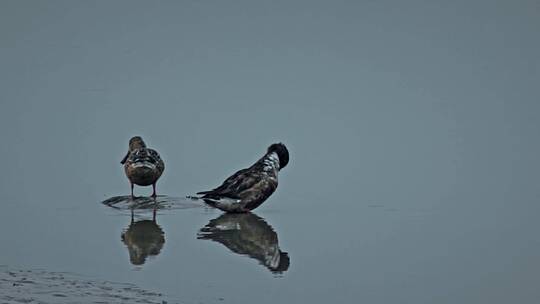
(143, 166)
(248, 188)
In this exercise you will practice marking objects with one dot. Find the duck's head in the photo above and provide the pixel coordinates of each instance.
(136, 142)
(281, 152)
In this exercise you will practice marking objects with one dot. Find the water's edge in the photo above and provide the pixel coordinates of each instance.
(41, 286)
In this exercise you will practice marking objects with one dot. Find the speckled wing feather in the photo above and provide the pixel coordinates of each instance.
(258, 193)
(146, 154)
(157, 158)
(234, 184)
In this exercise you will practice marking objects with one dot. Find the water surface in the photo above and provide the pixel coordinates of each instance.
(412, 127)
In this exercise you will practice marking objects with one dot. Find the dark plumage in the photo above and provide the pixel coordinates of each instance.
(248, 188)
(143, 166)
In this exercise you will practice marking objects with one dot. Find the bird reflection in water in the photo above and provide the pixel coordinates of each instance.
(143, 238)
(247, 234)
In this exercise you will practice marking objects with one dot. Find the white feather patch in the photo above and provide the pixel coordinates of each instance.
(224, 201)
(144, 164)
(271, 162)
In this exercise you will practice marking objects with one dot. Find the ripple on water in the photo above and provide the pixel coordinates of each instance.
(126, 202)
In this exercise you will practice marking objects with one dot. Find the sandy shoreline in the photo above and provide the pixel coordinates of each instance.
(40, 286)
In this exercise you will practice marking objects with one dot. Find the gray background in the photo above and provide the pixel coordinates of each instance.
(412, 128)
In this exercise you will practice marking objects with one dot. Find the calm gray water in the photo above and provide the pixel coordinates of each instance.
(412, 127)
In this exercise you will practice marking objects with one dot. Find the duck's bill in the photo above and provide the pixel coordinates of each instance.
(123, 161)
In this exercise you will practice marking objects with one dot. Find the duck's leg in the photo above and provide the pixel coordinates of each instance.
(132, 191)
(154, 188)
(154, 211)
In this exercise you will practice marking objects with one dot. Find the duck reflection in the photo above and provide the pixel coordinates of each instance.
(247, 234)
(143, 238)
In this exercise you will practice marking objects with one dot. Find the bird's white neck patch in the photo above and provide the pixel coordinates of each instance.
(271, 162)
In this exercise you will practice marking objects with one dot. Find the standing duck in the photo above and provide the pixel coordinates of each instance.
(248, 188)
(143, 166)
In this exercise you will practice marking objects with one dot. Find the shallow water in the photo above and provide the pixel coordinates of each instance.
(413, 133)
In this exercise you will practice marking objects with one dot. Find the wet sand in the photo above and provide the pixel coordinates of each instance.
(40, 286)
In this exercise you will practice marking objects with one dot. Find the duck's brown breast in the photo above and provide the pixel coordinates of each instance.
(142, 174)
